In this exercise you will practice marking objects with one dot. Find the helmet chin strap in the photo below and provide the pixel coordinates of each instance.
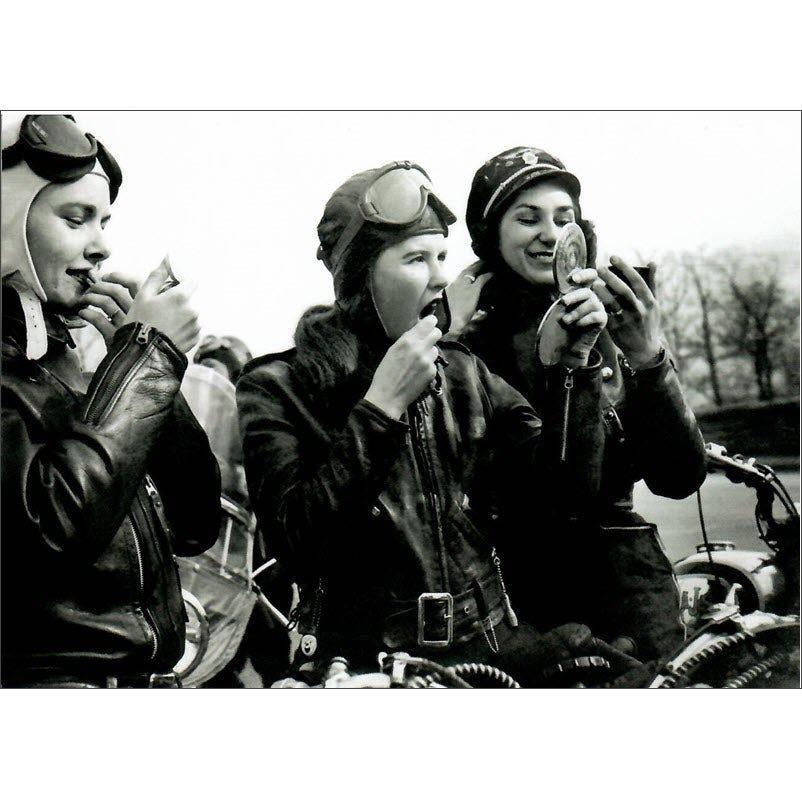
(375, 307)
(36, 332)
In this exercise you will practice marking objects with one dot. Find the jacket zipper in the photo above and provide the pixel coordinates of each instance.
(140, 564)
(427, 473)
(120, 370)
(158, 504)
(569, 384)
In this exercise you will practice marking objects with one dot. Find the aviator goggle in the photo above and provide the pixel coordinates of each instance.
(398, 195)
(55, 148)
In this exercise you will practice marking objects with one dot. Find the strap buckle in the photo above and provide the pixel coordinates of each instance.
(435, 619)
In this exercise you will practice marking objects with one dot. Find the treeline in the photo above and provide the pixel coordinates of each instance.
(731, 318)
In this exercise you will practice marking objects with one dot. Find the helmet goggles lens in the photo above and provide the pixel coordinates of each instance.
(398, 195)
(56, 149)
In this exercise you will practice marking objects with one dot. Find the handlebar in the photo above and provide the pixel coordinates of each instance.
(763, 479)
(737, 468)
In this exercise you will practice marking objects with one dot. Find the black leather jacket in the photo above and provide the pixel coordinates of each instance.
(608, 566)
(650, 431)
(385, 510)
(89, 584)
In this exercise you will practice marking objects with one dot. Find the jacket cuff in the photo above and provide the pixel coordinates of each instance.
(588, 372)
(165, 345)
(652, 373)
(376, 414)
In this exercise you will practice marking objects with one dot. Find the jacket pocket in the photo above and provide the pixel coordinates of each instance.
(638, 589)
(635, 552)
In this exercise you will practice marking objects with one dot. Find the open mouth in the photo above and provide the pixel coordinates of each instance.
(82, 276)
(431, 308)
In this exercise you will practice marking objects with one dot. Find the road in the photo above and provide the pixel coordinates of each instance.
(728, 511)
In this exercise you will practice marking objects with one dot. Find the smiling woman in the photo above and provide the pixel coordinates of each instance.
(621, 583)
(529, 229)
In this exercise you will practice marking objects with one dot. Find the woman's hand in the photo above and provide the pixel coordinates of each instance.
(167, 310)
(407, 368)
(110, 299)
(633, 313)
(463, 295)
(583, 320)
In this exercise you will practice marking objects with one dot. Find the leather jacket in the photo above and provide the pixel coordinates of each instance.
(611, 566)
(89, 584)
(384, 510)
(650, 431)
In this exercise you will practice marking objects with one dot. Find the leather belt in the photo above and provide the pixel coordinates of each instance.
(403, 629)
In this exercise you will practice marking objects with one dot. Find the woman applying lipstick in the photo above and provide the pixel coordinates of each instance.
(375, 451)
(609, 566)
(102, 485)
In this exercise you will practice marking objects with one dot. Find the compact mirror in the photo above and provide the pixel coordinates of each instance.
(570, 252)
(552, 337)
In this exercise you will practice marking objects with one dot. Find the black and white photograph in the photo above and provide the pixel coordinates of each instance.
(453, 399)
(362, 390)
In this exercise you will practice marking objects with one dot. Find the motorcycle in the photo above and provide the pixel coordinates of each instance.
(742, 606)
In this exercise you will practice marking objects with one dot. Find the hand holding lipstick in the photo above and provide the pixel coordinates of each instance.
(162, 301)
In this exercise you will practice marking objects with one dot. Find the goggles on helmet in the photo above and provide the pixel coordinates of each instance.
(398, 195)
(56, 149)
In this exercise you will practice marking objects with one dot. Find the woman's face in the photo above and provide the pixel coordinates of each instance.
(530, 228)
(407, 280)
(66, 239)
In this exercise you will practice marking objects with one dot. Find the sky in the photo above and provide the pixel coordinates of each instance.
(235, 197)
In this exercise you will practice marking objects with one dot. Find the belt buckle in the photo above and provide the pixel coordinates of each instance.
(435, 609)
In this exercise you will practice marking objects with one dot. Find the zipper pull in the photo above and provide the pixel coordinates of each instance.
(144, 333)
(512, 617)
(151, 489)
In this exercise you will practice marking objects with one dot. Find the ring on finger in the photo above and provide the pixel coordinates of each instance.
(616, 313)
(471, 278)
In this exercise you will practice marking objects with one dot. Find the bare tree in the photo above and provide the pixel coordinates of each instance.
(675, 313)
(764, 313)
(702, 279)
